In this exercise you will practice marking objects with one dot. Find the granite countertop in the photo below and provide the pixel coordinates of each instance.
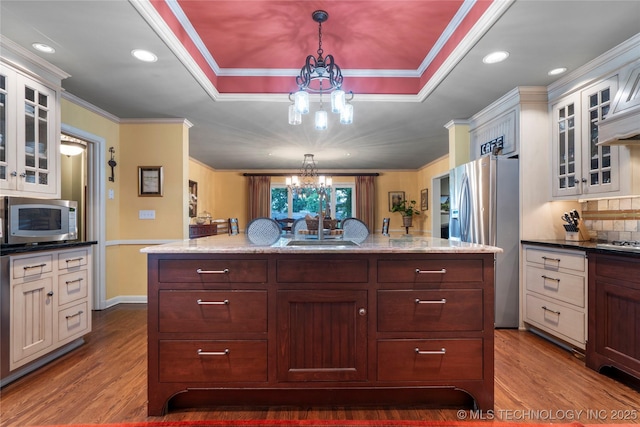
(400, 243)
(587, 246)
(20, 249)
(564, 244)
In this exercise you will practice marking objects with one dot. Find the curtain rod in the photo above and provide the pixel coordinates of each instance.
(327, 174)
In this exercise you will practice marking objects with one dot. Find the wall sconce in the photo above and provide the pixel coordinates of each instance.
(112, 163)
(70, 146)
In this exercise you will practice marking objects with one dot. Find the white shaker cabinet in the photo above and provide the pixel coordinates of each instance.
(50, 302)
(580, 166)
(29, 136)
(555, 293)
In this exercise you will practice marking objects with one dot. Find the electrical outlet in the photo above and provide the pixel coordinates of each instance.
(111, 194)
(147, 214)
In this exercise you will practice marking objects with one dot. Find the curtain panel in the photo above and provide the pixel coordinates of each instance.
(365, 200)
(259, 196)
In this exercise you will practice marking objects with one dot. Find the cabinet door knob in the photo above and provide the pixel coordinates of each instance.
(14, 173)
(50, 293)
(362, 311)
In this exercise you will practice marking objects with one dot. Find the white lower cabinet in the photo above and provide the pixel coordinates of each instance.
(50, 302)
(555, 293)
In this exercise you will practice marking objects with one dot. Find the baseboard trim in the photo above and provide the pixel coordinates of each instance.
(126, 299)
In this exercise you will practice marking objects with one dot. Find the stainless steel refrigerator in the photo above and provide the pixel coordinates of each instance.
(484, 209)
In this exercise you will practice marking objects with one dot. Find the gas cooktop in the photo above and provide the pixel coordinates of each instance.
(621, 245)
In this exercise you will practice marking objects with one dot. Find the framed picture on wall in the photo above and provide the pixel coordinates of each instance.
(395, 197)
(150, 181)
(424, 199)
(193, 199)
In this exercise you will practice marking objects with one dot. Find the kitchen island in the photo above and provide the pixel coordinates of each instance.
(389, 320)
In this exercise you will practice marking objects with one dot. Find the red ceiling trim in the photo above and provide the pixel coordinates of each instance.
(178, 30)
(285, 84)
(471, 19)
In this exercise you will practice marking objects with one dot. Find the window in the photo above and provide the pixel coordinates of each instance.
(340, 199)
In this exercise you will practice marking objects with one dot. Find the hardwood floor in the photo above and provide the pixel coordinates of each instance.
(104, 381)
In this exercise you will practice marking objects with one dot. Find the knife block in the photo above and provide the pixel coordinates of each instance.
(581, 235)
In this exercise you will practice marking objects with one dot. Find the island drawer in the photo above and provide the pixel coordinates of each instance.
(31, 266)
(212, 270)
(72, 286)
(322, 270)
(212, 311)
(430, 359)
(212, 361)
(430, 310)
(555, 260)
(430, 270)
(556, 284)
(560, 320)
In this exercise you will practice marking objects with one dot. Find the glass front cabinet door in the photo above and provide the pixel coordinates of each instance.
(28, 136)
(580, 166)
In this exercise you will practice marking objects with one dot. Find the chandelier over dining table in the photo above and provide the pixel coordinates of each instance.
(309, 178)
(320, 75)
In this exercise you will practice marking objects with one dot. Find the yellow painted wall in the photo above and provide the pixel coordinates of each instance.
(153, 144)
(150, 144)
(425, 175)
(406, 181)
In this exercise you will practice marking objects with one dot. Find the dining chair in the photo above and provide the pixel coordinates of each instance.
(299, 225)
(263, 231)
(354, 229)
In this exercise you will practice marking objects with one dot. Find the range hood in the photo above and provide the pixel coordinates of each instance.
(622, 124)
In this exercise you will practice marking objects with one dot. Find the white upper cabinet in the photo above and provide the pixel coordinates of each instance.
(581, 167)
(29, 150)
(29, 125)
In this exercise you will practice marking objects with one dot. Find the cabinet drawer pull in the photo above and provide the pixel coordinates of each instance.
(73, 259)
(29, 267)
(551, 311)
(441, 271)
(213, 353)
(74, 315)
(201, 271)
(546, 258)
(441, 351)
(225, 302)
(550, 278)
(425, 301)
(68, 282)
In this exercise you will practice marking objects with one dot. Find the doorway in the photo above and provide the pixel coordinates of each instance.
(440, 201)
(87, 177)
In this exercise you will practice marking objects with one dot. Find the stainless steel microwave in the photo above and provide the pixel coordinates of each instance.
(28, 220)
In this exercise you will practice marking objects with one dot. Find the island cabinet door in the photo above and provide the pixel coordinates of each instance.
(322, 335)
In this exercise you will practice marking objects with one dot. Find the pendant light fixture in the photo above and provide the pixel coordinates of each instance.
(309, 178)
(70, 146)
(310, 80)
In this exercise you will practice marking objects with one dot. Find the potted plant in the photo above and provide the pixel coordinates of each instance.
(407, 209)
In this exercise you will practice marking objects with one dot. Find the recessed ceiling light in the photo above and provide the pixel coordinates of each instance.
(144, 55)
(557, 71)
(43, 47)
(495, 57)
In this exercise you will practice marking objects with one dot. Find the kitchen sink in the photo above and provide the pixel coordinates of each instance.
(322, 243)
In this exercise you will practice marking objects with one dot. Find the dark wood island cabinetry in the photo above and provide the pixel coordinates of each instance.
(274, 325)
(614, 313)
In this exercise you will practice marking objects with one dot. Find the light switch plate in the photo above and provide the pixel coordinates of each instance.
(147, 214)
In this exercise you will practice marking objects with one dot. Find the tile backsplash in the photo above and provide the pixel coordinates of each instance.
(612, 219)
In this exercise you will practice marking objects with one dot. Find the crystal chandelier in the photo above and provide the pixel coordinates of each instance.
(312, 75)
(309, 178)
